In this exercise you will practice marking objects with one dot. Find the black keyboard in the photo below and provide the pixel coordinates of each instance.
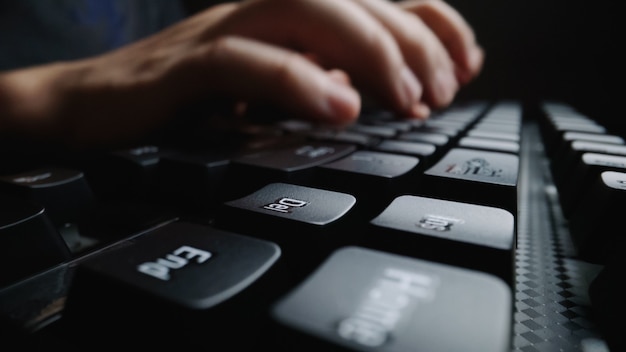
(492, 226)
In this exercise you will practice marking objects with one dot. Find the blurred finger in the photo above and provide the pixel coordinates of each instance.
(453, 31)
(338, 34)
(422, 49)
(256, 71)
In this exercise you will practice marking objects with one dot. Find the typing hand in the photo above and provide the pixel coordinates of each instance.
(309, 57)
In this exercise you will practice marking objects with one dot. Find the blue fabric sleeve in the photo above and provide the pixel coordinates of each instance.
(35, 31)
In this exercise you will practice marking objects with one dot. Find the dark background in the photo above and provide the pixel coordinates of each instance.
(557, 49)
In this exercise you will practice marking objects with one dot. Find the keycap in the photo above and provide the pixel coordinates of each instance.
(374, 177)
(65, 193)
(376, 131)
(474, 176)
(587, 170)
(438, 139)
(487, 133)
(561, 145)
(193, 180)
(499, 127)
(360, 139)
(489, 144)
(563, 164)
(177, 279)
(363, 300)
(451, 132)
(31, 307)
(592, 223)
(423, 151)
(30, 241)
(445, 124)
(468, 235)
(306, 222)
(557, 121)
(293, 164)
(125, 173)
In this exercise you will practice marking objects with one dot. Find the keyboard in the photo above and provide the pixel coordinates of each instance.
(490, 226)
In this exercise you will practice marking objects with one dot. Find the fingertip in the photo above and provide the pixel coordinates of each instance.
(410, 90)
(420, 111)
(474, 60)
(343, 103)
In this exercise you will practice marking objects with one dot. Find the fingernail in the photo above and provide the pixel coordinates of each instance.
(343, 102)
(411, 88)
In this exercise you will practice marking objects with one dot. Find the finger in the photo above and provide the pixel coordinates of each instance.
(453, 31)
(422, 49)
(256, 71)
(338, 34)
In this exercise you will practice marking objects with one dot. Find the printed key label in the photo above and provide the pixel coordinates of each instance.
(438, 222)
(32, 179)
(284, 205)
(314, 152)
(389, 302)
(475, 166)
(161, 267)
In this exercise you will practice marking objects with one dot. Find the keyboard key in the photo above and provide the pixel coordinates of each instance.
(423, 151)
(563, 164)
(360, 139)
(568, 137)
(474, 176)
(30, 242)
(365, 300)
(588, 169)
(297, 218)
(375, 177)
(293, 164)
(30, 306)
(166, 279)
(487, 133)
(592, 220)
(451, 132)
(556, 121)
(64, 193)
(503, 128)
(461, 234)
(489, 144)
(305, 205)
(438, 139)
(125, 173)
(193, 180)
(376, 131)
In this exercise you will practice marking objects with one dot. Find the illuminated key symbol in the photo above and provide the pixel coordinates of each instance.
(32, 179)
(313, 152)
(144, 150)
(437, 223)
(160, 268)
(284, 205)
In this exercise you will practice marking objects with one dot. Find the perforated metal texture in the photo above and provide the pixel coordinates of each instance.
(552, 306)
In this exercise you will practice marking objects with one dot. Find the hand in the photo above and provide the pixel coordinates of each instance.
(310, 57)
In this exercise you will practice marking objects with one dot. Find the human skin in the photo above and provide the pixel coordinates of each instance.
(312, 58)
